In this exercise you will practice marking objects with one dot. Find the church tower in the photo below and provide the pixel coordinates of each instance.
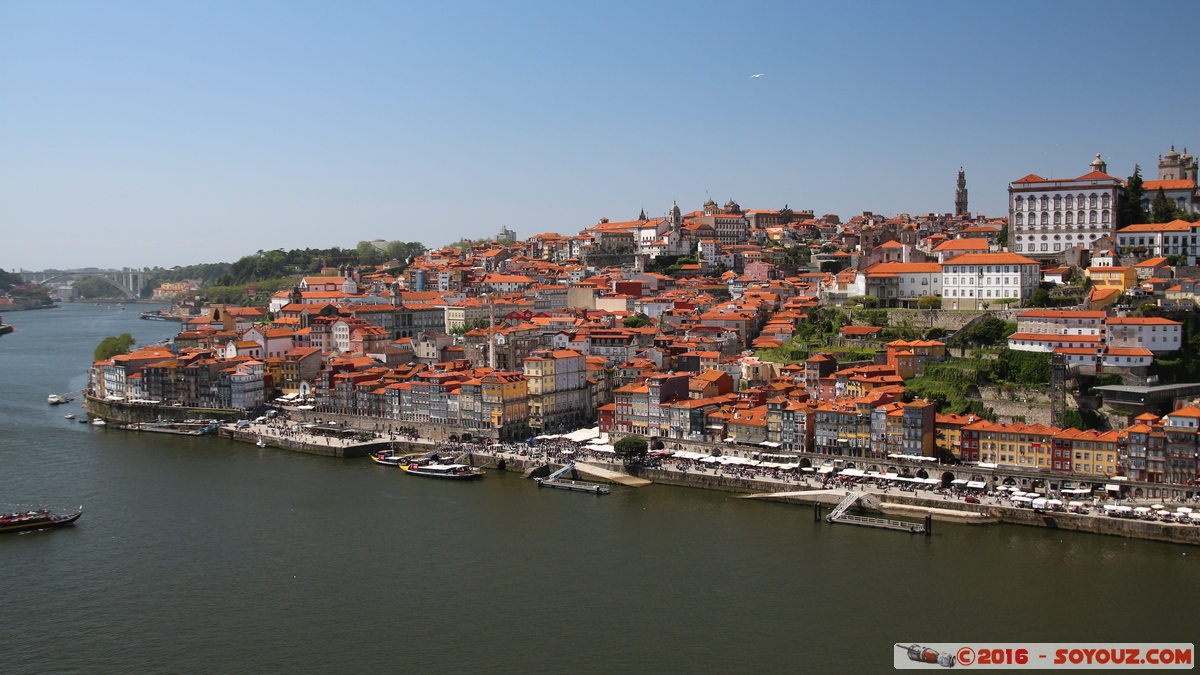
(960, 195)
(676, 217)
(1099, 164)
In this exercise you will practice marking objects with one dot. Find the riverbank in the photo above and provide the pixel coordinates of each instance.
(915, 505)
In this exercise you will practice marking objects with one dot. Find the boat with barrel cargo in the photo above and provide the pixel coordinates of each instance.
(459, 471)
(36, 519)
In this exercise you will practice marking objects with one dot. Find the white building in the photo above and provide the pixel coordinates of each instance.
(1048, 342)
(1108, 358)
(1156, 334)
(901, 281)
(246, 386)
(1061, 322)
(1175, 237)
(1047, 216)
(975, 278)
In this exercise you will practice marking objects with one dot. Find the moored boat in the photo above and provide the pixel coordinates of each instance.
(459, 471)
(98, 422)
(390, 460)
(37, 519)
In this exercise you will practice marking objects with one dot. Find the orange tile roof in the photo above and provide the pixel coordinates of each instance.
(991, 259)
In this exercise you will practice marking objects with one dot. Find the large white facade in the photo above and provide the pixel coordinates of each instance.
(1156, 334)
(975, 278)
(1049, 216)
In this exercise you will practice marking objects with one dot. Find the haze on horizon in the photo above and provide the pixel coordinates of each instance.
(139, 133)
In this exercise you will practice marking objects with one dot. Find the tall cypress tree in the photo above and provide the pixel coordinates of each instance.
(1162, 209)
(1132, 212)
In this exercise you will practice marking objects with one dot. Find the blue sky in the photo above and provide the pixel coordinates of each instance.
(137, 134)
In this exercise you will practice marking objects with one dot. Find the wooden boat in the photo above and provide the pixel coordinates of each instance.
(458, 471)
(390, 460)
(38, 519)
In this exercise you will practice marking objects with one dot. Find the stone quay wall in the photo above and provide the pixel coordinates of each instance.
(130, 413)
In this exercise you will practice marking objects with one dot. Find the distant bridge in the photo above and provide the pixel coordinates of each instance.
(129, 281)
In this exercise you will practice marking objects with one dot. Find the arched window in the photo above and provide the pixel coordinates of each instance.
(1067, 202)
(1019, 219)
(1080, 217)
(1092, 200)
(1104, 200)
(1045, 202)
(1070, 217)
(1045, 217)
(1092, 217)
(1018, 204)
(1057, 202)
(1058, 217)
(1104, 216)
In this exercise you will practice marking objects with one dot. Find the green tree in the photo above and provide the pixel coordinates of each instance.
(831, 266)
(1002, 238)
(935, 333)
(635, 321)
(929, 302)
(1163, 209)
(112, 346)
(1040, 298)
(867, 301)
(1131, 212)
(631, 449)
(368, 254)
(990, 330)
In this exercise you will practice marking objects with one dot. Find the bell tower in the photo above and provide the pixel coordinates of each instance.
(960, 195)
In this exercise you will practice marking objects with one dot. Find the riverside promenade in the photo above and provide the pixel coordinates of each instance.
(792, 486)
(940, 504)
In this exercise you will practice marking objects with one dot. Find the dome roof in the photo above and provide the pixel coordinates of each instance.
(1172, 154)
(710, 202)
(1097, 161)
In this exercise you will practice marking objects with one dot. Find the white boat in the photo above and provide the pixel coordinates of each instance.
(261, 443)
(98, 422)
(69, 416)
(458, 471)
(55, 399)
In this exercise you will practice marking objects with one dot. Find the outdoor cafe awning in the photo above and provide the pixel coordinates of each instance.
(976, 484)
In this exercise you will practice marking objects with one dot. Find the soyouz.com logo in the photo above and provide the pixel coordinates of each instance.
(1045, 655)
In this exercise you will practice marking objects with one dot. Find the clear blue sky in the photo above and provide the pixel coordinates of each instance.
(151, 133)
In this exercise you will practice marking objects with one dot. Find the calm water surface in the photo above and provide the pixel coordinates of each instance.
(205, 555)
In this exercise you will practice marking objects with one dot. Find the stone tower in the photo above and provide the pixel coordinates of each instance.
(960, 195)
(1099, 164)
(1174, 166)
(676, 217)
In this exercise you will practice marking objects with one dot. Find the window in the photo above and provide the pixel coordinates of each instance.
(1069, 217)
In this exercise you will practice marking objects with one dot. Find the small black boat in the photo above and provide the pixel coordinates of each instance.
(37, 519)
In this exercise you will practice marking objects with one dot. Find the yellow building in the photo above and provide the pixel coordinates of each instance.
(1121, 278)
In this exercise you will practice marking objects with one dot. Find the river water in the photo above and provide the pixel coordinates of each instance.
(206, 555)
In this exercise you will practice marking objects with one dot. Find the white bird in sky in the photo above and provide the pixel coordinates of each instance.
(754, 76)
